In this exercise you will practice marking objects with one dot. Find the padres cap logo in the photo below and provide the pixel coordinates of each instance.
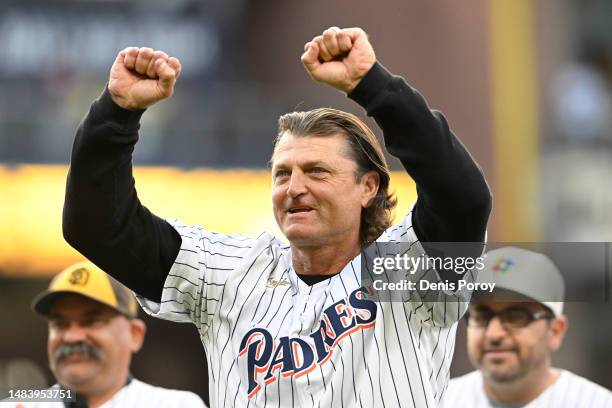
(79, 277)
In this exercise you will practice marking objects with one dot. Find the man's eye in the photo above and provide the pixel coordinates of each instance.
(281, 173)
(58, 324)
(318, 170)
(90, 321)
(516, 316)
(480, 317)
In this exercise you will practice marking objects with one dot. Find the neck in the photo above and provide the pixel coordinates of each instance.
(323, 260)
(522, 390)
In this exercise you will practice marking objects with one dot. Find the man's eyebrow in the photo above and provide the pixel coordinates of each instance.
(307, 164)
(317, 163)
(277, 165)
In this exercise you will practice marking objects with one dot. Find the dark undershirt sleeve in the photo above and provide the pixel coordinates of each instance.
(103, 217)
(454, 200)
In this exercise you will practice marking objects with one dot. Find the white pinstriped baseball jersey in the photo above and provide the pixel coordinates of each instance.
(272, 340)
(569, 391)
(136, 394)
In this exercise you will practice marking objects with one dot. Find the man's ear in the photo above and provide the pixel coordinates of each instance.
(138, 330)
(558, 328)
(370, 182)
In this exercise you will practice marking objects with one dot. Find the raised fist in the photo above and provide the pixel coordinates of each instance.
(339, 57)
(140, 77)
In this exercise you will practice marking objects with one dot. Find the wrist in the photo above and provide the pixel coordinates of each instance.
(349, 87)
(107, 107)
(362, 71)
(371, 84)
(122, 102)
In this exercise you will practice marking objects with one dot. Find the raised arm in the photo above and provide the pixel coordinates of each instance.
(454, 201)
(103, 217)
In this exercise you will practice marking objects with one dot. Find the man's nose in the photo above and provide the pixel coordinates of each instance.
(495, 329)
(74, 333)
(297, 184)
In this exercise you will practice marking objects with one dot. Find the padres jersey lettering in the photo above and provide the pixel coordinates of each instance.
(295, 356)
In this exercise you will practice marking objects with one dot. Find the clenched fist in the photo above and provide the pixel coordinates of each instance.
(140, 77)
(339, 57)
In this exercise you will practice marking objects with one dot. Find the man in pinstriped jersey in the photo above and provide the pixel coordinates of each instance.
(511, 335)
(291, 325)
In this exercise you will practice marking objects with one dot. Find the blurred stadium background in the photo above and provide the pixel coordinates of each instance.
(525, 84)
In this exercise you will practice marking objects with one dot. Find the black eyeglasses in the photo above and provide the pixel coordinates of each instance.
(512, 317)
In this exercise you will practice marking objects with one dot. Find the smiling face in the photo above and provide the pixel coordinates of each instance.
(506, 354)
(90, 345)
(316, 195)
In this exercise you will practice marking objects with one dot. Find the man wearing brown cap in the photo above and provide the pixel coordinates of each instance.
(93, 332)
(511, 335)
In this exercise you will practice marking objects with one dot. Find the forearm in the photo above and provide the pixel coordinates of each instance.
(103, 218)
(453, 197)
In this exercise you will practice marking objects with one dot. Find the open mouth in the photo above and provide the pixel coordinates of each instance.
(296, 210)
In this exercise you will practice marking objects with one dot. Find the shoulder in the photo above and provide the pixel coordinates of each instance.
(212, 253)
(580, 389)
(139, 393)
(463, 389)
(204, 239)
(473, 379)
(401, 232)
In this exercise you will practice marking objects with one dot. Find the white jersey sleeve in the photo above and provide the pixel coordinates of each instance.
(197, 278)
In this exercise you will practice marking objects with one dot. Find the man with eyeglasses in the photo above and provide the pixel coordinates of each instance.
(511, 334)
(93, 333)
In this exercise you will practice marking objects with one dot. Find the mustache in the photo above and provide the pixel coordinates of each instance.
(82, 348)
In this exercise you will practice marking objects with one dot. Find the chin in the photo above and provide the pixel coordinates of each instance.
(301, 241)
(502, 374)
(300, 234)
(74, 375)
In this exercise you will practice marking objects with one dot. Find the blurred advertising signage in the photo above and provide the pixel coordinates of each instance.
(36, 43)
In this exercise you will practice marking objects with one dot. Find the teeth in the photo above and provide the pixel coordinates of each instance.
(294, 210)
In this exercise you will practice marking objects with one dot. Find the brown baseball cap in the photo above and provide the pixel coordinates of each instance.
(86, 279)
